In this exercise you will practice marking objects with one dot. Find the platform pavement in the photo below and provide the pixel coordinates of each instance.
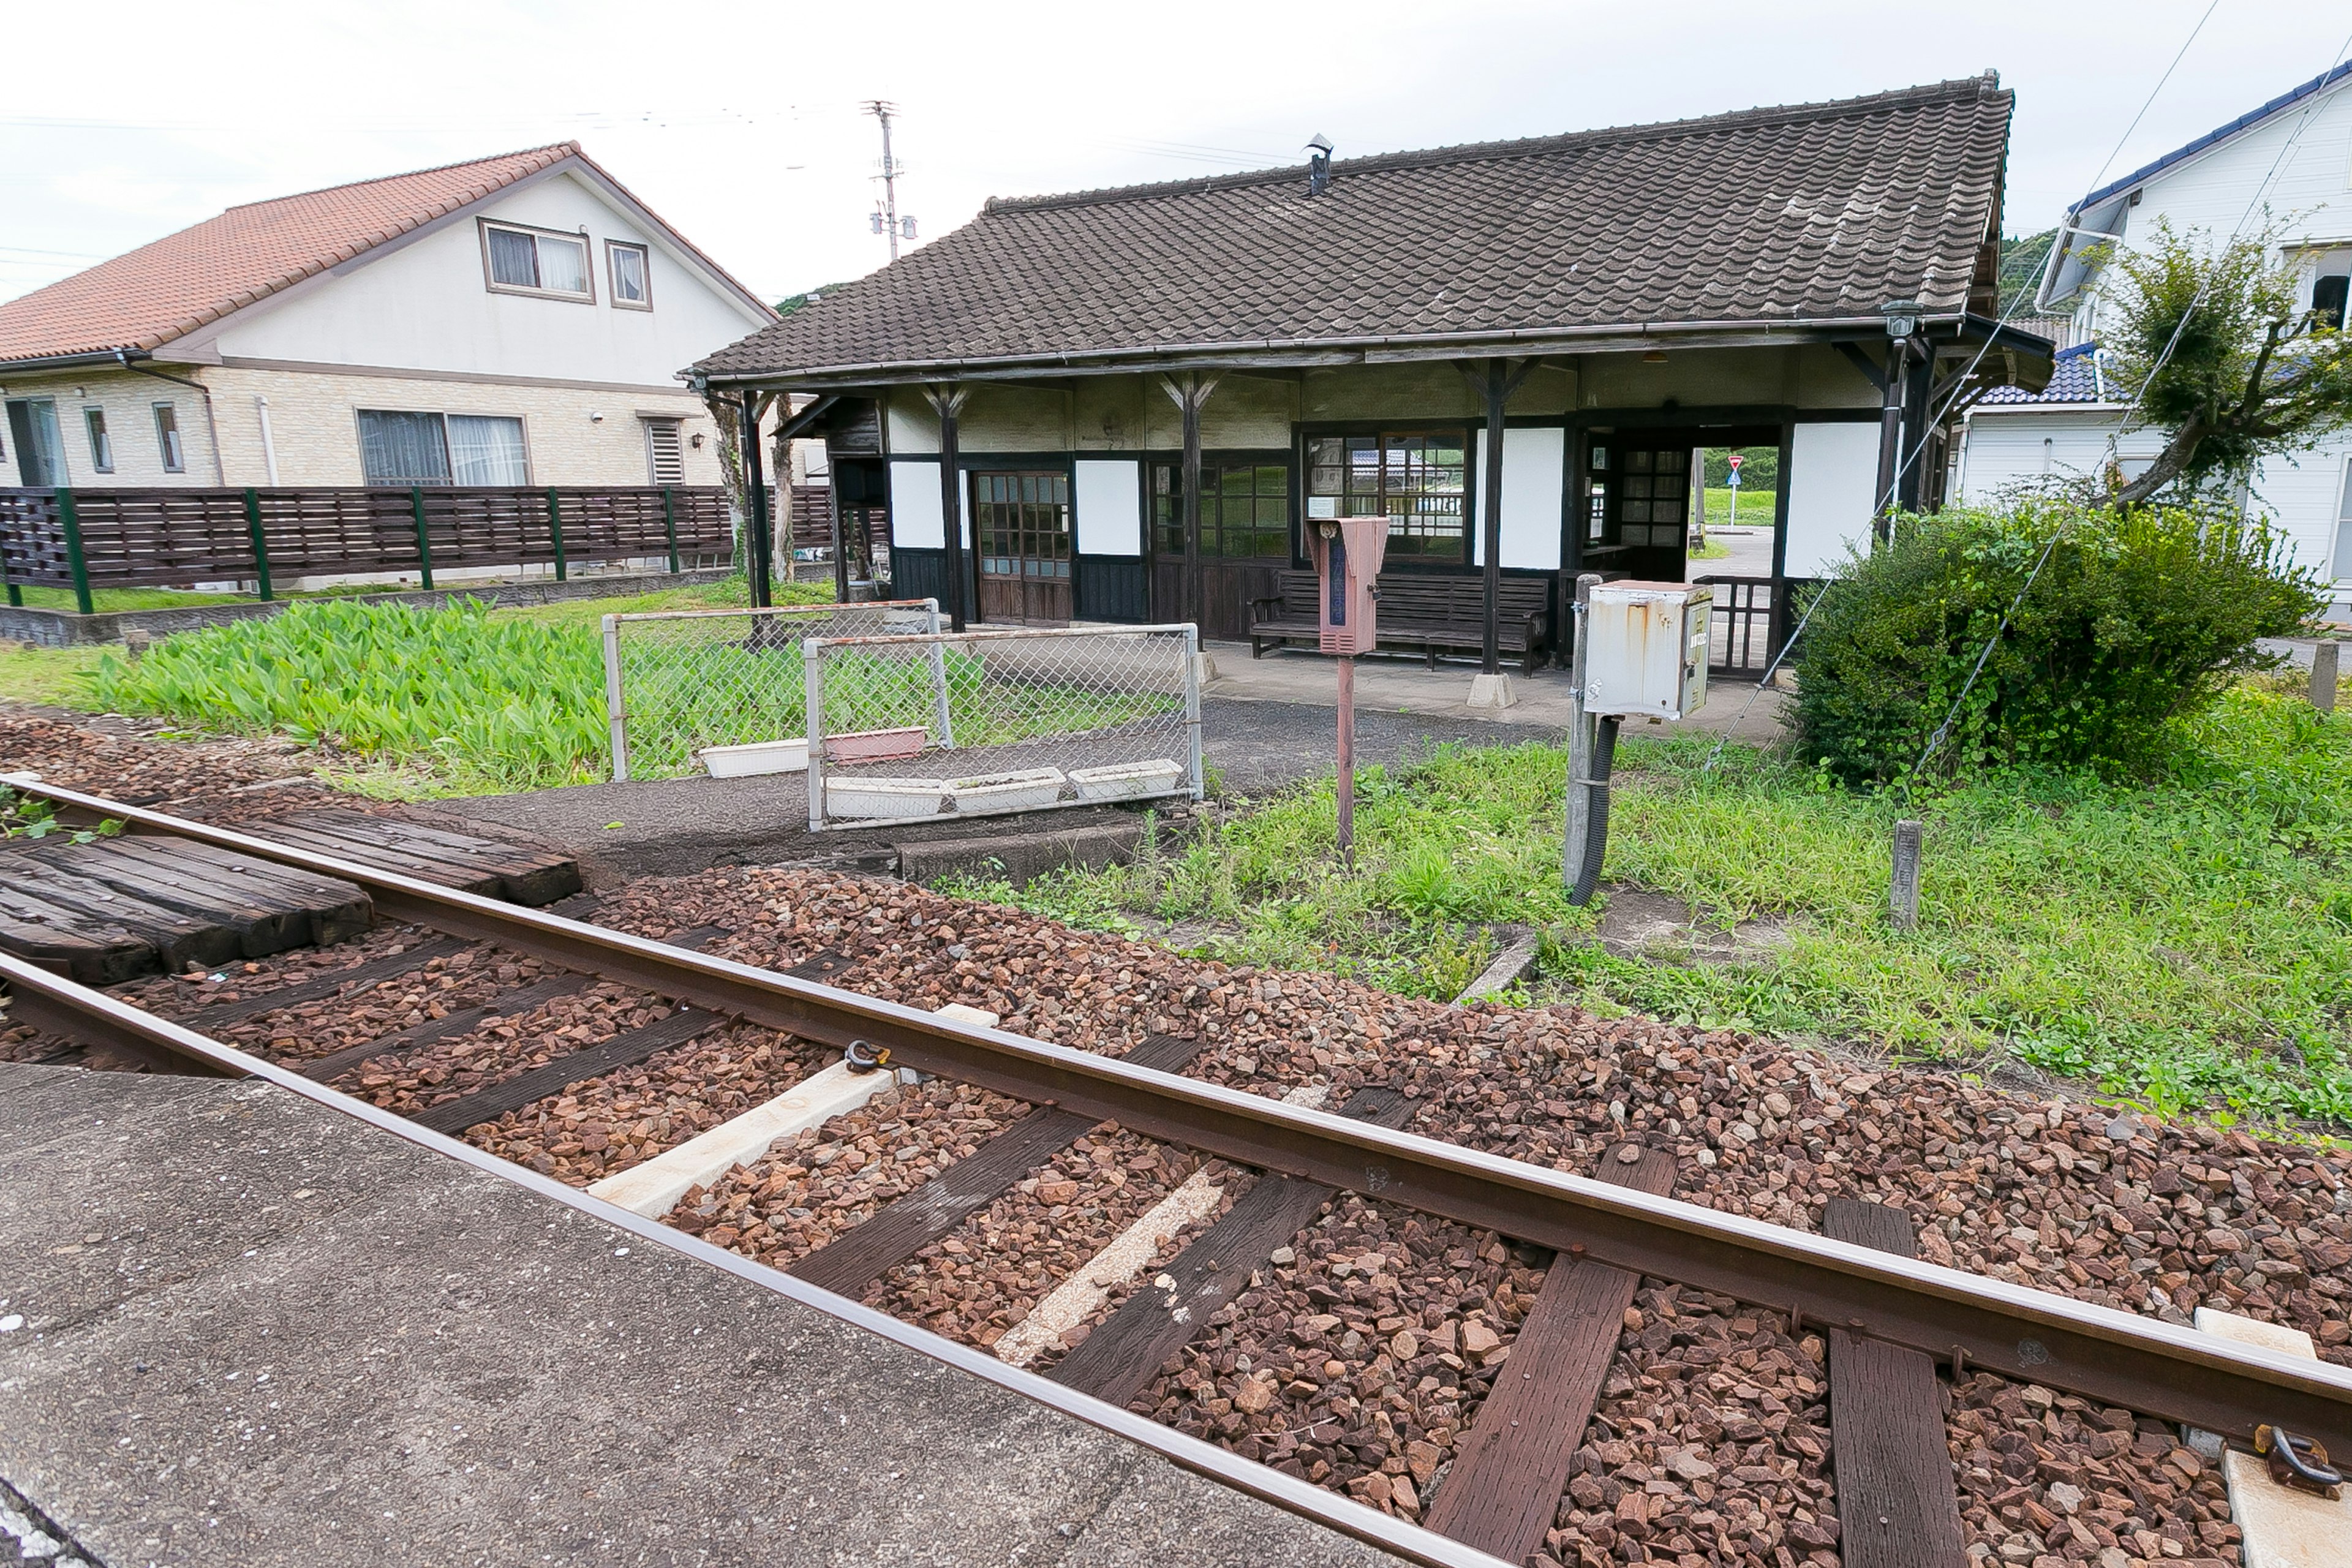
(239, 1328)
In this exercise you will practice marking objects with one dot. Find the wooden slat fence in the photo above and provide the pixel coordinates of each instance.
(90, 539)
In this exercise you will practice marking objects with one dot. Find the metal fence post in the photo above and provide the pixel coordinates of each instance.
(1193, 709)
(813, 681)
(670, 521)
(555, 531)
(72, 518)
(940, 679)
(423, 546)
(260, 545)
(617, 711)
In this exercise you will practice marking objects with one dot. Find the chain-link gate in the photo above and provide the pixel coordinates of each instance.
(984, 723)
(721, 690)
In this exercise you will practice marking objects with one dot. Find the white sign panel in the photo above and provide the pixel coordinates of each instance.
(1535, 470)
(1833, 492)
(1109, 496)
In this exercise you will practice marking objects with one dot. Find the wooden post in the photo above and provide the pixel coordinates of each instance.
(1491, 503)
(669, 523)
(1890, 439)
(947, 400)
(75, 559)
(1190, 392)
(755, 484)
(1902, 887)
(840, 544)
(261, 544)
(2324, 660)
(555, 531)
(423, 545)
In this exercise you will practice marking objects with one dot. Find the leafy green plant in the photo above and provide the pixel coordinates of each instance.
(28, 816)
(2136, 620)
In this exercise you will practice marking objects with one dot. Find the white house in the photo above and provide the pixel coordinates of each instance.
(519, 319)
(2292, 156)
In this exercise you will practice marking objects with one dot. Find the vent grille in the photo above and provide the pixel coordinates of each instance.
(664, 452)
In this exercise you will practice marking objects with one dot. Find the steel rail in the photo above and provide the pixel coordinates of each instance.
(51, 1001)
(2036, 1336)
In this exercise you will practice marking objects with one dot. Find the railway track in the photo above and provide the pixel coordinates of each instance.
(1883, 1320)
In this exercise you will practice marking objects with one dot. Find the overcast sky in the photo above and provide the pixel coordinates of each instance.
(742, 125)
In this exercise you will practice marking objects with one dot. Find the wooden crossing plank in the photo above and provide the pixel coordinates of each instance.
(1122, 1354)
(326, 1070)
(494, 868)
(622, 1050)
(850, 1262)
(35, 893)
(94, 952)
(359, 977)
(338, 909)
(1897, 1505)
(1503, 1491)
(382, 856)
(268, 916)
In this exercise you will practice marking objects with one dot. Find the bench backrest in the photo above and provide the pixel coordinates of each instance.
(1426, 598)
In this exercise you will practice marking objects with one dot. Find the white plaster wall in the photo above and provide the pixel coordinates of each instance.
(1832, 481)
(426, 306)
(1107, 501)
(2005, 450)
(1535, 476)
(917, 521)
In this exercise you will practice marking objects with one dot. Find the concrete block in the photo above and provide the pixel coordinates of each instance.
(1492, 691)
(1021, 858)
(2284, 1528)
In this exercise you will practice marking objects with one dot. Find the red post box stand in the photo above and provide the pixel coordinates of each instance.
(1347, 552)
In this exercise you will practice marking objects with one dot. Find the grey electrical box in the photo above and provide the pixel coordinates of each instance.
(1646, 649)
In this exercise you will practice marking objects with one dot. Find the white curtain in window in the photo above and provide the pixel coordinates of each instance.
(486, 450)
(513, 259)
(563, 265)
(629, 274)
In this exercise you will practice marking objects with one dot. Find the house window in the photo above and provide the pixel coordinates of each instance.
(1416, 477)
(1245, 509)
(399, 448)
(534, 262)
(101, 445)
(629, 268)
(1022, 523)
(40, 454)
(665, 453)
(167, 438)
(2327, 299)
(2344, 527)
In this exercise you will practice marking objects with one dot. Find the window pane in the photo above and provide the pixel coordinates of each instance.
(514, 260)
(403, 449)
(2343, 528)
(167, 438)
(628, 273)
(486, 450)
(101, 445)
(563, 265)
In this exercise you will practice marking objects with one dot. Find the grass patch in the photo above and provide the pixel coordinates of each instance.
(2180, 943)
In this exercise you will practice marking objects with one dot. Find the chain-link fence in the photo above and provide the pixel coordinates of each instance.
(722, 690)
(984, 723)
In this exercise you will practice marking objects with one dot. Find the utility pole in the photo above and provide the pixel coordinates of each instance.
(882, 111)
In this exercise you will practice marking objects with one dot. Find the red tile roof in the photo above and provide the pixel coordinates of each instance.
(158, 293)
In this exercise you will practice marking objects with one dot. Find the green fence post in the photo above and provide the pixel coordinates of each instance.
(260, 546)
(73, 557)
(670, 521)
(555, 529)
(423, 546)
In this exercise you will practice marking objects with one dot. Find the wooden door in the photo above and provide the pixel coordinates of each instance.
(1244, 540)
(1022, 521)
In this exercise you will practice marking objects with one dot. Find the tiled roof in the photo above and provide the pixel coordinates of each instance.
(149, 296)
(1811, 213)
(2075, 377)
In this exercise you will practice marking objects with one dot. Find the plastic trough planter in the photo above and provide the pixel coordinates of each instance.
(862, 800)
(1127, 781)
(877, 745)
(1022, 791)
(760, 757)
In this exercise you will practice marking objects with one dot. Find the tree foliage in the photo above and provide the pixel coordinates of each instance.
(2138, 618)
(2208, 344)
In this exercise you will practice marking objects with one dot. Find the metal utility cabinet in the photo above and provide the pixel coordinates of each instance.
(1647, 648)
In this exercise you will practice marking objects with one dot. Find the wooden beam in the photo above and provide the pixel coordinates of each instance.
(851, 1261)
(1120, 1356)
(1897, 1506)
(1503, 1489)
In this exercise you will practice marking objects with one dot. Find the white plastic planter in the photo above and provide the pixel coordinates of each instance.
(1127, 781)
(877, 745)
(860, 800)
(1024, 791)
(759, 757)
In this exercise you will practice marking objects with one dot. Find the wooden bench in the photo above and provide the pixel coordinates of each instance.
(1418, 610)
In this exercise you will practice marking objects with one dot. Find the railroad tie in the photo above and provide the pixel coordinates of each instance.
(1897, 1505)
(1120, 1356)
(1503, 1489)
(852, 1261)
